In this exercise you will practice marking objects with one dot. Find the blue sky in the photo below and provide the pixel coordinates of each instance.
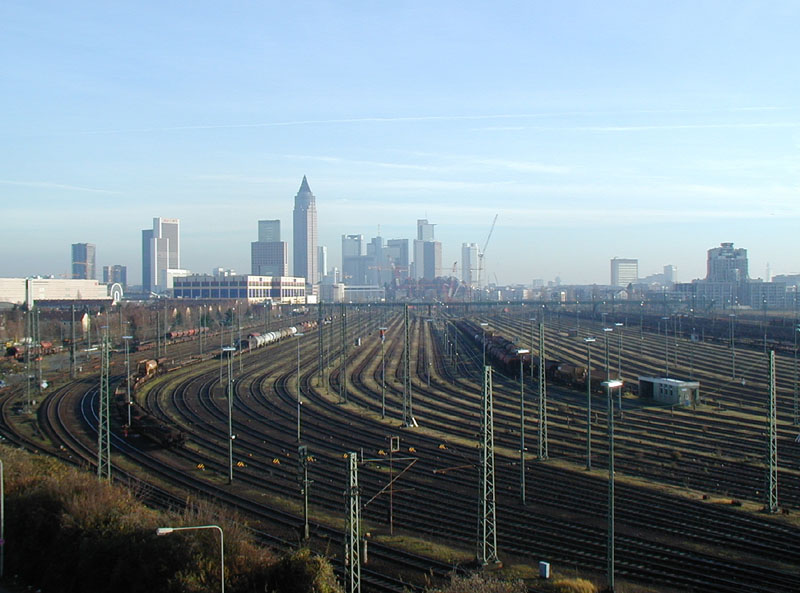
(631, 129)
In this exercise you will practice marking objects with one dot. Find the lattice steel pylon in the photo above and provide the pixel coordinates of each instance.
(487, 517)
(408, 404)
(104, 417)
(352, 537)
(543, 453)
(772, 442)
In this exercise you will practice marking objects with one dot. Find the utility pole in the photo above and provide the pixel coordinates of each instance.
(104, 419)
(772, 443)
(352, 549)
(72, 343)
(319, 344)
(543, 453)
(343, 366)
(589, 342)
(521, 352)
(230, 350)
(487, 518)
(408, 406)
(302, 476)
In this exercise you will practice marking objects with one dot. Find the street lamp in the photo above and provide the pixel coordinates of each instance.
(168, 530)
(128, 376)
(606, 331)
(383, 372)
(484, 325)
(589, 341)
(230, 350)
(609, 385)
(298, 336)
(521, 352)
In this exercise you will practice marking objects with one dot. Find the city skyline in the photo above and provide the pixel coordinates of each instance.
(647, 132)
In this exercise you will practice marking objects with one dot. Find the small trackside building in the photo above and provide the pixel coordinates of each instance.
(670, 391)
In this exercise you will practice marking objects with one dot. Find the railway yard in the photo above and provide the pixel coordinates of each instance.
(691, 488)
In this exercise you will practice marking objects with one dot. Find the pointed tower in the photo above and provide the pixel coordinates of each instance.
(305, 234)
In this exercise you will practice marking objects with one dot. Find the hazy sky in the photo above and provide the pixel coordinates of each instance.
(653, 130)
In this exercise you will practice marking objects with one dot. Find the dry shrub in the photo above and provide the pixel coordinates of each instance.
(480, 583)
(573, 586)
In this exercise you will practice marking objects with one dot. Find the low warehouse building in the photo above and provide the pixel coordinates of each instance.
(670, 391)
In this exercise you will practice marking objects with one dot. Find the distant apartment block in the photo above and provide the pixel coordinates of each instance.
(83, 261)
(726, 264)
(251, 288)
(624, 271)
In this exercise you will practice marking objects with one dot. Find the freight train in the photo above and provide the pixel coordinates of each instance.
(143, 423)
(503, 354)
(257, 340)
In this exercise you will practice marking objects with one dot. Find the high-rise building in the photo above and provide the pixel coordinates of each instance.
(726, 264)
(469, 264)
(424, 230)
(396, 252)
(269, 256)
(624, 271)
(427, 252)
(354, 264)
(670, 274)
(118, 274)
(160, 252)
(322, 262)
(83, 261)
(305, 233)
(269, 231)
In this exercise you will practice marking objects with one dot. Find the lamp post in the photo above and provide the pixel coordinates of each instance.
(230, 350)
(609, 385)
(619, 327)
(383, 372)
(589, 341)
(532, 320)
(606, 331)
(127, 377)
(521, 352)
(168, 530)
(484, 325)
(298, 336)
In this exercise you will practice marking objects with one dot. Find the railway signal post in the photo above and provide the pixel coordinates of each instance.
(302, 476)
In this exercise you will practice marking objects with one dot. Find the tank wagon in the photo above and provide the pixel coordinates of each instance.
(257, 340)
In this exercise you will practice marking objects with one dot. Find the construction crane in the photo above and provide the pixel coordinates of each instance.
(483, 251)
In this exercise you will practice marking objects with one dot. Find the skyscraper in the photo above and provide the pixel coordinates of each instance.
(269, 256)
(305, 233)
(112, 274)
(469, 264)
(427, 252)
(160, 253)
(83, 261)
(322, 262)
